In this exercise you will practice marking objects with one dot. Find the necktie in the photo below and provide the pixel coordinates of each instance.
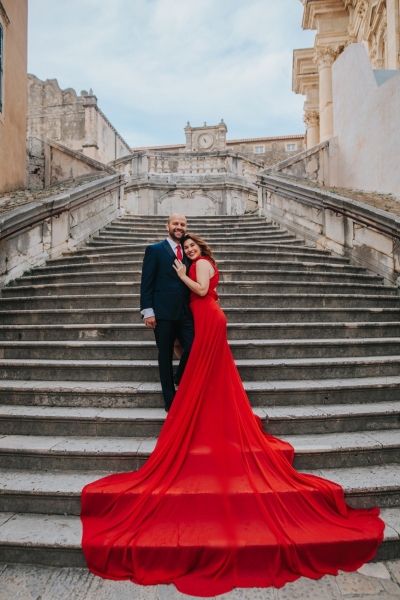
(179, 253)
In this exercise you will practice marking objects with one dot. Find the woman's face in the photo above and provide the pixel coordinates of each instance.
(191, 249)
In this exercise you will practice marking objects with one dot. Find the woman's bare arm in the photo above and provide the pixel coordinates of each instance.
(203, 276)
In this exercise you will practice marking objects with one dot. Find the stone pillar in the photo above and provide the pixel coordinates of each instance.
(90, 147)
(393, 34)
(311, 119)
(188, 134)
(324, 59)
(222, 130)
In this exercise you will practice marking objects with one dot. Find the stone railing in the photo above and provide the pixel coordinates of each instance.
(311, 164)
(35, 232)
(181, 163)
(49, 162)
(368, 236)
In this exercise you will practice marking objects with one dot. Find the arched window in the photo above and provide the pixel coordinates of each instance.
(1, 68)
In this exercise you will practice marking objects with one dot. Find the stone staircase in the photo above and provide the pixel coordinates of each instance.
(316, 341)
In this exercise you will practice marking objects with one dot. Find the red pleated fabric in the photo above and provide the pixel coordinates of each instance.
(218, 504)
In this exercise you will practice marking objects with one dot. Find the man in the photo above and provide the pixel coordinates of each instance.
(164, 303)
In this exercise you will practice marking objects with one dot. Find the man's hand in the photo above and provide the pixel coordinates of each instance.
(150, 322)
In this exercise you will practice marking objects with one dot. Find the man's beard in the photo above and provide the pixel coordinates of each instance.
(174, 237)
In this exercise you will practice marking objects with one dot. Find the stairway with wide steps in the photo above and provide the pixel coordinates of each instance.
(316, 340)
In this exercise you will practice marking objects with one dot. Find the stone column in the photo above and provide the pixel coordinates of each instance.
(393, 34)
(188, 134)
(324, 59)
(311, 119)
(90, 147)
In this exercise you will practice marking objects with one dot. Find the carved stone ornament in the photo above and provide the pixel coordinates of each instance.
(187, 193)
(325, 57)
(311, 118)
(362, 8)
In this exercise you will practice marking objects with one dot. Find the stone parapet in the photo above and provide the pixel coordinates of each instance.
(368, 236)
(35, 232)
(202, 183)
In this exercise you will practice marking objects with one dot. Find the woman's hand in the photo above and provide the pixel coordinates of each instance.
(180, 268)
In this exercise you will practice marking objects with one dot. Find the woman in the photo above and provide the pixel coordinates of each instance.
(218, 504)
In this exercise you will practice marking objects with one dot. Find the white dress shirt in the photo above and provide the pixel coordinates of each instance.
(149, 312)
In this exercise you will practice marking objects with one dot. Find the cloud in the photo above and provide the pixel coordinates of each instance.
(155, 64)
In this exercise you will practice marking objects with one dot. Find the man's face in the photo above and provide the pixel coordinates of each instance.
(176, 227)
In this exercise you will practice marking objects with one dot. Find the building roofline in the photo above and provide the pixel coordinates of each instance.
(296, 136)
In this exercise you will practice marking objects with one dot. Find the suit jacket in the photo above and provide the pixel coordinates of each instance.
(161, 289)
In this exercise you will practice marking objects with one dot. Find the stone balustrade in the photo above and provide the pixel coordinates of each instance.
(216, 182)
(39, 230)
(187, 164)
(367, 235)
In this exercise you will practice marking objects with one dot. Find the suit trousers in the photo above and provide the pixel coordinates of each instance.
(166, 332)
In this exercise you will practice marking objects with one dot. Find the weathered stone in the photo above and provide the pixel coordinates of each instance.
(307, 589)
(356, 583)
(19, 582)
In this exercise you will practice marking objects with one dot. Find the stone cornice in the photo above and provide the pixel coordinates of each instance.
(3, 14)
(304, 73)
(316, 8)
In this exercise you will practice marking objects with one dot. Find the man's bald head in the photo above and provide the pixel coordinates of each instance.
(176, 227)
(177, 217)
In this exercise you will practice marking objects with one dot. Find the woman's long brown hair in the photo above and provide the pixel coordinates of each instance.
(204, 247)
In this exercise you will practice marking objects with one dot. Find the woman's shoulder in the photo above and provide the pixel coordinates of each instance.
(204, 260)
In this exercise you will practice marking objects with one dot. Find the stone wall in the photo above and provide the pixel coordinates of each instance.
(367, 124)
(13, 21)
(74, 121)
(49, 162)
(369, 236)
(35, 232)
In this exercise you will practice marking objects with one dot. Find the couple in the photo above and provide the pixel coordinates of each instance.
(164, 299)
(218, 504)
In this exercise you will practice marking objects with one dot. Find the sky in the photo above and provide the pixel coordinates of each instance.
(156, 64)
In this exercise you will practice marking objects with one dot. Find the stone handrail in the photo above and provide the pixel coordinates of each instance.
(39, 230)
(311, 164)
(367, 235)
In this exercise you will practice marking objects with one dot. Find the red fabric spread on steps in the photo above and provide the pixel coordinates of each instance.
(218, 504)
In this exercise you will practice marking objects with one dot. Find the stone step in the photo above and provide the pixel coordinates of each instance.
(243, 247)
(220, 251)
(244, 300)
(58, 493)
(216, 220)
(119, 332)
(283, 316)
(54, 540)
(241, 349)
(81, 275)
(249, 369)
(144, 394)
(147, 422)
(107, 242)
(75, 266)
(151, 238)
(201, 229)
(69, 453)
(292, 255)
(224, 288)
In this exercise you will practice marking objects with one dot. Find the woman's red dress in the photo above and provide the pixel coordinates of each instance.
(218, 504)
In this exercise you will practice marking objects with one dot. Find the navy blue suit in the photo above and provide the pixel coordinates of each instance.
(162, 290)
